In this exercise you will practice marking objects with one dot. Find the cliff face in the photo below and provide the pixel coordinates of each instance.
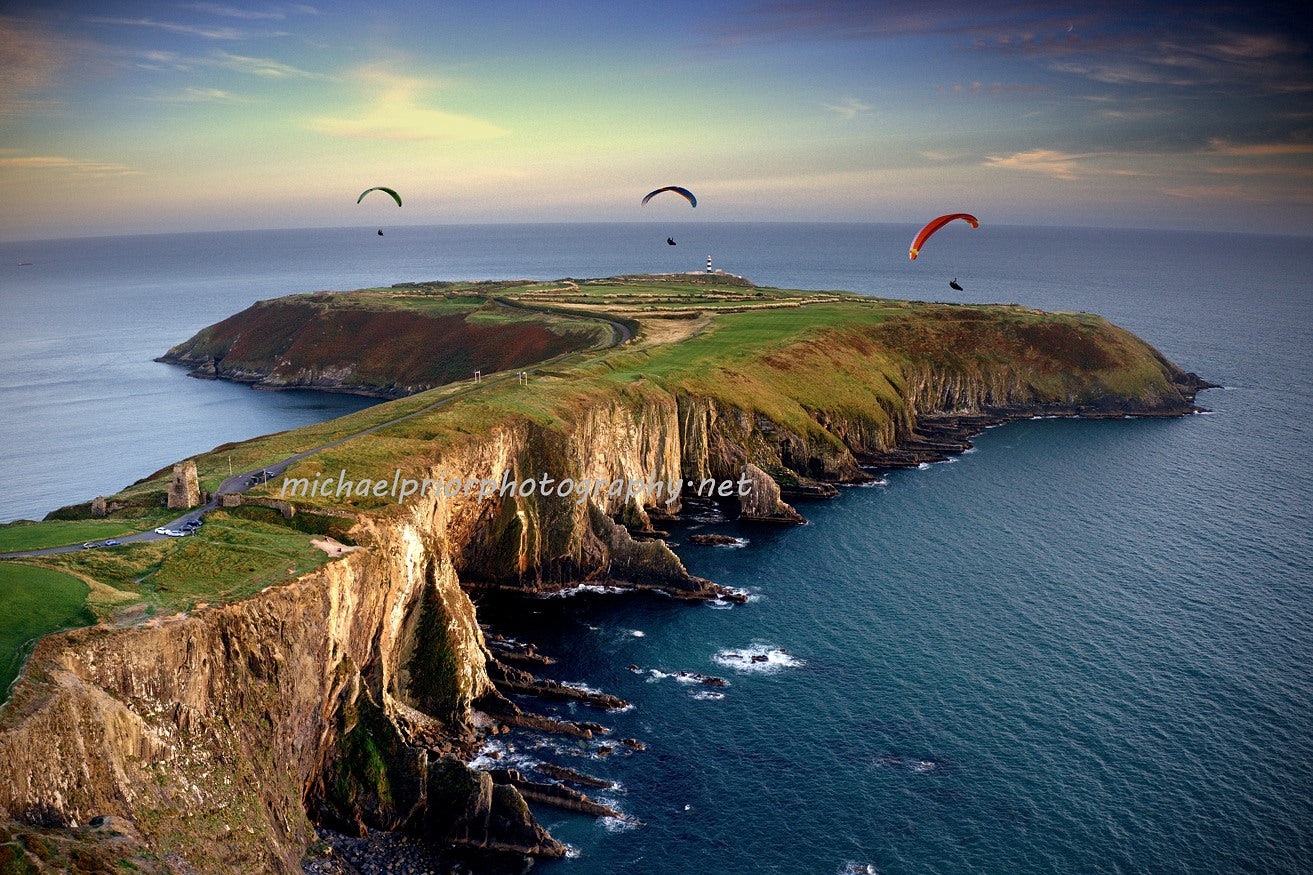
(962, 361)
(214, 732)
(348, 694)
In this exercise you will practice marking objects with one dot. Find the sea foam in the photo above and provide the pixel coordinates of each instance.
(762, 658)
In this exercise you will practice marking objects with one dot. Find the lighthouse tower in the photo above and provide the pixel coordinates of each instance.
(709, 264)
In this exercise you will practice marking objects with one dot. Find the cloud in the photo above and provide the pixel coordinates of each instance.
(1258, 172)
(1134, 115)
(215, 33)
(1250, 171)
(825, 20)
(200, 95)
(1217, 46)
(939, 155)
(234, 12)
(1234, 46)
(265, 67)
(1237, 192)
(61, 164)
(995, 88)
(1210, 57)
(1274, 170)
(1258, 150)
(163, 60)
(395, 113)
(29, 62)
(1060, 165)
(848, 108)
(1128, 72)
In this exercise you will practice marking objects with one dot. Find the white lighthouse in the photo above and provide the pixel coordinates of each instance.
(708, 264)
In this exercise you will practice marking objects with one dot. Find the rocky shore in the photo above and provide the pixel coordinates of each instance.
(392, 853)
(936, 436)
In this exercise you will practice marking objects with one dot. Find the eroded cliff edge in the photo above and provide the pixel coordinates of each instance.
(351, 695)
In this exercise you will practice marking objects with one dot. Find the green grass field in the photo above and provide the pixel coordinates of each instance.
(230, 557)
(27, 535)
(34, 602)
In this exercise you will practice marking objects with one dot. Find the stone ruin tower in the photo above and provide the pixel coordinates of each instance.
(185, 490)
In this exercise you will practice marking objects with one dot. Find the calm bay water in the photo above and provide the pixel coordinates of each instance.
(1083, 646)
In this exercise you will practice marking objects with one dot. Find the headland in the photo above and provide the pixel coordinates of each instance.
(245, 685)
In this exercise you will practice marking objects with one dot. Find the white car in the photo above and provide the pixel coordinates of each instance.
(161, 531)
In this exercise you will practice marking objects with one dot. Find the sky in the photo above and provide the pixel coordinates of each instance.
(142, 117)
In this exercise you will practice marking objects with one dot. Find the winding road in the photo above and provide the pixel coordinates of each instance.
(237, 483)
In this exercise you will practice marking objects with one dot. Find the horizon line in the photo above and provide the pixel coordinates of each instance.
(913, 224)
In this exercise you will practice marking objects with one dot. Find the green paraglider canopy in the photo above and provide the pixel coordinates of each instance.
(396, 197)
(682, 192)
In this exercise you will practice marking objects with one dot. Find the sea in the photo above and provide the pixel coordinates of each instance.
(1081, 646)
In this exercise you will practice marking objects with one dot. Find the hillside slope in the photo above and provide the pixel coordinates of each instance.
(383, 342)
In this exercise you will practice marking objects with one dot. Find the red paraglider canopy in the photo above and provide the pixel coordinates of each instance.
(934, 226)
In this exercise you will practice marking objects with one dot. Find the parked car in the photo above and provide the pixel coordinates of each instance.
(161, 531)
(112, 543)
(89, 545)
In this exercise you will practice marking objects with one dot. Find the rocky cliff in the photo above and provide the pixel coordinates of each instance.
(216, 733)
(352, 695)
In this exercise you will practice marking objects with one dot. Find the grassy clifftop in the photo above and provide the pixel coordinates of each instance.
(386, 342)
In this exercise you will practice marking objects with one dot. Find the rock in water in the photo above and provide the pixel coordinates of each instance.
(714, 540)
(761, 502)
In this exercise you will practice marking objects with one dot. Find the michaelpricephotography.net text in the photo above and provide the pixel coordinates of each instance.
(399, 488)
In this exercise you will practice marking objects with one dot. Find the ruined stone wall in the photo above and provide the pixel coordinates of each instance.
(185, 489)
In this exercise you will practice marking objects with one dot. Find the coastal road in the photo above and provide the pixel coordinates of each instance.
(238, 483)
